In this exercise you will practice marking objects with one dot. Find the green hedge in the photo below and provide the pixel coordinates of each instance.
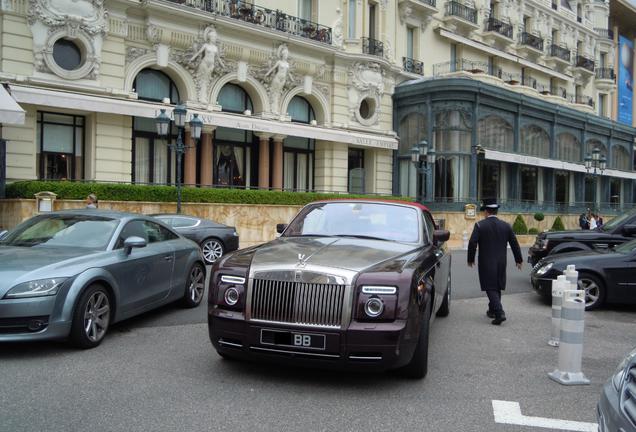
(519, 226)
(533, 231)
(129, 192)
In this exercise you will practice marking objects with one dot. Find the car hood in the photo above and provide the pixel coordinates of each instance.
(580, 235)
(336, 252)
(21, 264)
(577, 258)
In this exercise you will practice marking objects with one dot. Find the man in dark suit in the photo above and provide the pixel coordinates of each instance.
(492, 236)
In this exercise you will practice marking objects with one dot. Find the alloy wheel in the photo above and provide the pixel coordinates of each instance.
(212, 251)
(592, 291)
(96, 316)
(196, 284)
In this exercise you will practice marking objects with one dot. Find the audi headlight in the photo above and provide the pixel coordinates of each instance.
(36, 288)
(544, 269)
(621, 370)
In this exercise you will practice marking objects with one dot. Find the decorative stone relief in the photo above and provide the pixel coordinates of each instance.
(404, 11)
(365, 89)
(206, 59)
(82, 22)
(133, 53)
(337, 38)
(278, 76)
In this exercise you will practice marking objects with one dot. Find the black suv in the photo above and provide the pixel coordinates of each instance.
(619, 230)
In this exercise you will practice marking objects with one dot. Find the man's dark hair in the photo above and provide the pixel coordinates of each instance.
(492, 211)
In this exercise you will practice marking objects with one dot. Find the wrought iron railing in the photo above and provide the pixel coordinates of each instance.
(532, 41)
(498, 26)
(554, 5)
(460, 65)
(413, 66)
(559, 91)
(559, 52)
(585, 63)
(517, 205)
(455, 8)
(261, 16)
(511, 77)
(583, 100)
(429, 2)
(372, 46)
(528, 81)
(605, 74)
(605, 33)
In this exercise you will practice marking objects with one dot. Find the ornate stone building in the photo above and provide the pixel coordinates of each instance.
(289, 95)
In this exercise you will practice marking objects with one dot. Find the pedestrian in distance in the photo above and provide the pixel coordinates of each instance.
(91, 201)
(584, 222)
(491, 236)
(593, 221)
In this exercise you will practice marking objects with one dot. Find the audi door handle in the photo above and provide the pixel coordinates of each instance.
(168, 257)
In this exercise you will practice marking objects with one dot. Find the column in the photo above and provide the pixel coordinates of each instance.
(277, 163)
(207, 155)
(190, 161)
(263, 160)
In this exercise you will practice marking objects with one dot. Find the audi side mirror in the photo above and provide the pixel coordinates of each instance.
(628, 230)
(441, 236)
(133, 242)
(280, 228)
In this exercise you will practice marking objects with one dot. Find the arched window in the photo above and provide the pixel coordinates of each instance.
(620, 158)
(495, 133)
(152, 160)
(534, 141)
(413, 128)
(568, 148)
(233, 149)
(595, 144)
(452, 132)
(298, 155)
(155, 85)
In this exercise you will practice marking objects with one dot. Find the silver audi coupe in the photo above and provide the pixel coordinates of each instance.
(71, 274)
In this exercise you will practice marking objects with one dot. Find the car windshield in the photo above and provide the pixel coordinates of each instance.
(626, 248)
(78, 231)
(618, 220)
(361, 220)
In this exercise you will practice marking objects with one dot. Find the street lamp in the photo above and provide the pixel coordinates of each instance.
(179, 115)
(423, 159)
(596, 163)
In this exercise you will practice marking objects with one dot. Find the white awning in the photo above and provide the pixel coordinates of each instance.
(104, 104)
(550, 163)
(10, 111)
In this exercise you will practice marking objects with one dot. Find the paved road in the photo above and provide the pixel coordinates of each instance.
(160, 373)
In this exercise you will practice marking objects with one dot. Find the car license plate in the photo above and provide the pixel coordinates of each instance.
(292, 339)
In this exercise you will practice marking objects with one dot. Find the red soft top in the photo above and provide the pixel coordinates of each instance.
(380, 200)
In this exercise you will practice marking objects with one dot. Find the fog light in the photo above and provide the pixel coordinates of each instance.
(374, 307)
(231, 296)
(35, 325)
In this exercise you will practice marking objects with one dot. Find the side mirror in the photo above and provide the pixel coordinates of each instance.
(133, 242)
(440, 236)
(3, 234)
(628, 230)
(280, 228)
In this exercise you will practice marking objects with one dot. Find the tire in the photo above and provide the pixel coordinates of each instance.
(212, 249)
(594, 290)
(91, 318)
(418, 366)
(444, 309)
(194, 287)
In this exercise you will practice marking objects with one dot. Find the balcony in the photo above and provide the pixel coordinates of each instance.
(585, 63)
(460, 17)
(531, 44)
(426, 7)
(605, 79)
(412, 66)
(499, 27)
(558, 57)
(263, 17)
(460, 65)
(605, 33)
(372, 46)
(583, 100)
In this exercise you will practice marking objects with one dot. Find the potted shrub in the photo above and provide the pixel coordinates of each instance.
(558, 225)
(539, 217)
(519, 226)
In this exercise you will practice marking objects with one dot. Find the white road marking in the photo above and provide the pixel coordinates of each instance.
(510, 413)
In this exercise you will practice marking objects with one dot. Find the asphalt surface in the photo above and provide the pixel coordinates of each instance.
(159, 372)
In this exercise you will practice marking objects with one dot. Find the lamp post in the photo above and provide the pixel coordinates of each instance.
(596, 163)
(423, 160)
(163, 125)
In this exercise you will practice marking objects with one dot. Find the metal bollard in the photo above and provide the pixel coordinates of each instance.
(572, 276)
(571, 340)
(558, 286)
(465, 239)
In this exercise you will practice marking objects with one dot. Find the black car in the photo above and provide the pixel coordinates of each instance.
(616, 411)
(619, 230)
(606, 276)
(214, 238)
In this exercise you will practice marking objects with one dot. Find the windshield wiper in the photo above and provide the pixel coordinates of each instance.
(360, 236)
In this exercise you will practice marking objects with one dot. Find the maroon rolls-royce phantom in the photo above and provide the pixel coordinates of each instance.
(348, 284)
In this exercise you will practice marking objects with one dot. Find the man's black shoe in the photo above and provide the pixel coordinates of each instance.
(490, 314)
(499, 319)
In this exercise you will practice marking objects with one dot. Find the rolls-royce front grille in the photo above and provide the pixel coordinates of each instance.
(297, 303)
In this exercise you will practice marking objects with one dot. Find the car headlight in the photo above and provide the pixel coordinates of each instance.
(544, 269)
(377, 302)
(36, 288)
(231, 292)
(543, 243)
(621, 370)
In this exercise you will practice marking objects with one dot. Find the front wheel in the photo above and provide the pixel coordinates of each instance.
(594, 290)
(418, 366)
(195, 286)
(212, 250)
(91, 318)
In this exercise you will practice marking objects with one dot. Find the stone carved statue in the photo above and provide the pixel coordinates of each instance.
(338, 37)
(280, 74)
(208, 56)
